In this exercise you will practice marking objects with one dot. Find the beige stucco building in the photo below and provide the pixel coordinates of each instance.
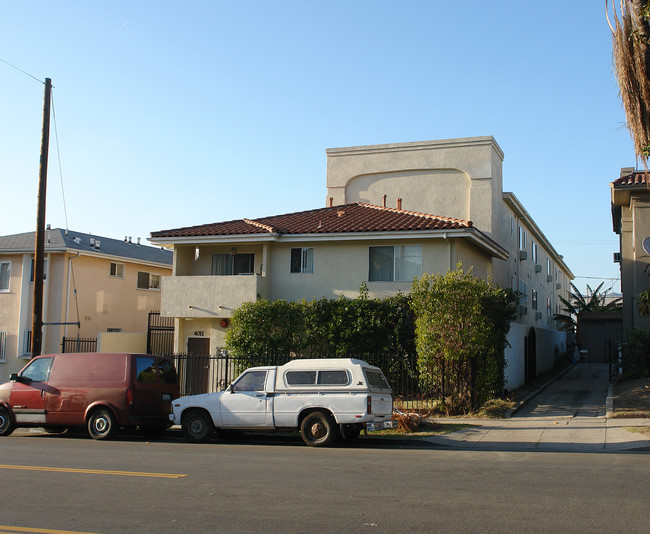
(105, 285)
(631, 220)
(391, 212)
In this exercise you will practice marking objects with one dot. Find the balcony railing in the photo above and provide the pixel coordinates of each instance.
(208, 296)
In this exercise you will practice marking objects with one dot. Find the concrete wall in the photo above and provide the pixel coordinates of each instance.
(122, 342)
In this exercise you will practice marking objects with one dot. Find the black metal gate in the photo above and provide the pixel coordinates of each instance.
(160, 334)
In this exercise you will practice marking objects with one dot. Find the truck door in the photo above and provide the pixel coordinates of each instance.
(246, 404)
(28, 393)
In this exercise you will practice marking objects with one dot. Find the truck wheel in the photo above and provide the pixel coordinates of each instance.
(7, 426)
(317, 429)
(102, 424)
(197, 426)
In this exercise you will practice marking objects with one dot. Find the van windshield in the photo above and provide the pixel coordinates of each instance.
(376, 380)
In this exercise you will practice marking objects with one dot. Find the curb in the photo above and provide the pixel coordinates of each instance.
(527, 398)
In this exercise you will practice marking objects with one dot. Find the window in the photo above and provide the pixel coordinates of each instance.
(5, 273)
(323, 378)
(533, 303)
(548, 306)
(148, 280)
(145, 370)
(376, 380)
(395, 264)
(251, 381)
(229, 264)
(3, 346)
(548, 266)
(117, 270)
(38, 370)
(302, 260)
(534, 245)
(31, 273)
(523, 290)
(522, 239)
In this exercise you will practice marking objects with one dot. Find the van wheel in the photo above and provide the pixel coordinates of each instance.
(7, 426)
(197, 426)
(101, 424)
(318, 429)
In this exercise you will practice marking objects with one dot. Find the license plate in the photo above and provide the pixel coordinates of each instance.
(381, 425)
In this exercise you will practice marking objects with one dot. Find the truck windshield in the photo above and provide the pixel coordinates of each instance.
(376, 379)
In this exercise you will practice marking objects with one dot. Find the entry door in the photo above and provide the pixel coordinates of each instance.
(245, 403)
(28, 397)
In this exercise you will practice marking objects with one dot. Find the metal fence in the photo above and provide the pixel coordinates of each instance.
(211, 373)
(160, 334)
(79, 344)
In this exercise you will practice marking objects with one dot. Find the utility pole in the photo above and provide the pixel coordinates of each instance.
(39, 248)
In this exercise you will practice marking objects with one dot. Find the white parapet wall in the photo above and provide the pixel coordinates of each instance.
(133, 342)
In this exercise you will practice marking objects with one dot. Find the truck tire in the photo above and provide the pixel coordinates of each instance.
(7, 426)
(197, 426)
(102, 424)
(318, 429)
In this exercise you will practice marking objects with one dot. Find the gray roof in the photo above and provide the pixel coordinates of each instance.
(59, 240)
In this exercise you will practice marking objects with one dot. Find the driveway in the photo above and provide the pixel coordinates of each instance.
(568, 414)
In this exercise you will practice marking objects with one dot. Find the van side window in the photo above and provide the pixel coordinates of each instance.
(145, 370)
(333, 378)
(167, 371)
(301, 378)
(253, 381)
(38, 370)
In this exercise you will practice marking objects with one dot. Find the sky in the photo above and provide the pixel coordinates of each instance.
(170, 114)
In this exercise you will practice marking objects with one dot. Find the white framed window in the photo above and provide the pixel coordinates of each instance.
(533, 303)
(231, 264)
(5, 275)
(522, 239)
(116, 270)
(523, 290)
(548, 266)
(548, 306)
(31, 272)
(148, 280)
(534, 246)
(400, 263)
(302, 260)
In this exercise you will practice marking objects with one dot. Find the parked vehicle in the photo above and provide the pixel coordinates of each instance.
(321, 398)
(101, 391)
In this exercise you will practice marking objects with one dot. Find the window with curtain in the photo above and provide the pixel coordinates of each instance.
(302, 260)
(229, 264)
(394, 263)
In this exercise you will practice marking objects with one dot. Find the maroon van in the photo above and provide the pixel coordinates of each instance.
(101, 391)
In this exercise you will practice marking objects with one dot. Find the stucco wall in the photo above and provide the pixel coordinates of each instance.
(122, 342)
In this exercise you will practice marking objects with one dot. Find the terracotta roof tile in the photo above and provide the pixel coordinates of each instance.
(635, 178)
(347, 218)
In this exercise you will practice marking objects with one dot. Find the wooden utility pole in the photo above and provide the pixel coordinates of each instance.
(39, 248)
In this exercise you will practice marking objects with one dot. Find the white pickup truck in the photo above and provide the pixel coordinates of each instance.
(321, 398)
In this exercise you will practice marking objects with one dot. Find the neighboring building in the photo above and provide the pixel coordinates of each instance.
(393, 212)
(631, 219)
(106, 285)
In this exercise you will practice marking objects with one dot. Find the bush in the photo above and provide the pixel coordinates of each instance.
(461, 324)
(635, 355)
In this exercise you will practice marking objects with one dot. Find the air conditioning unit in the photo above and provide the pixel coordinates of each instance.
(523, 310)
(538, 268)
(549, 277)
(558, 286)
(523, 255)
(538, 315)
(617, 257)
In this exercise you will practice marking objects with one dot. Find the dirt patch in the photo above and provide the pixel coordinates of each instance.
(632, 398)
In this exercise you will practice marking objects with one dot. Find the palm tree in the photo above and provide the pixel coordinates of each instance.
(631, 45)
(579, 304)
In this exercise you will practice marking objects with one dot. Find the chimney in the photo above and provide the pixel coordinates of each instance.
(399, 203)
(626, 170)
(331, 201)
(138, 240)
(383, 201)
(130, 239)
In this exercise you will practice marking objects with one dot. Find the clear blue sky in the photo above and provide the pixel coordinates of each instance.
(180, 113)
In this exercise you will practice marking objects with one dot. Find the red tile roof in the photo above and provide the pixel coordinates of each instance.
(635, 178)
(347, 218)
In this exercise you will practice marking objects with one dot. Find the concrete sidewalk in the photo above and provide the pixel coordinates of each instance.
(571, 434)
(571, 412)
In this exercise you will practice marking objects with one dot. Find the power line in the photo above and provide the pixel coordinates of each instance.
(21, 70)
(58, 155)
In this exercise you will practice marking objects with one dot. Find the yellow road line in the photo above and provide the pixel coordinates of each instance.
(90, 471)
(7, 528)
